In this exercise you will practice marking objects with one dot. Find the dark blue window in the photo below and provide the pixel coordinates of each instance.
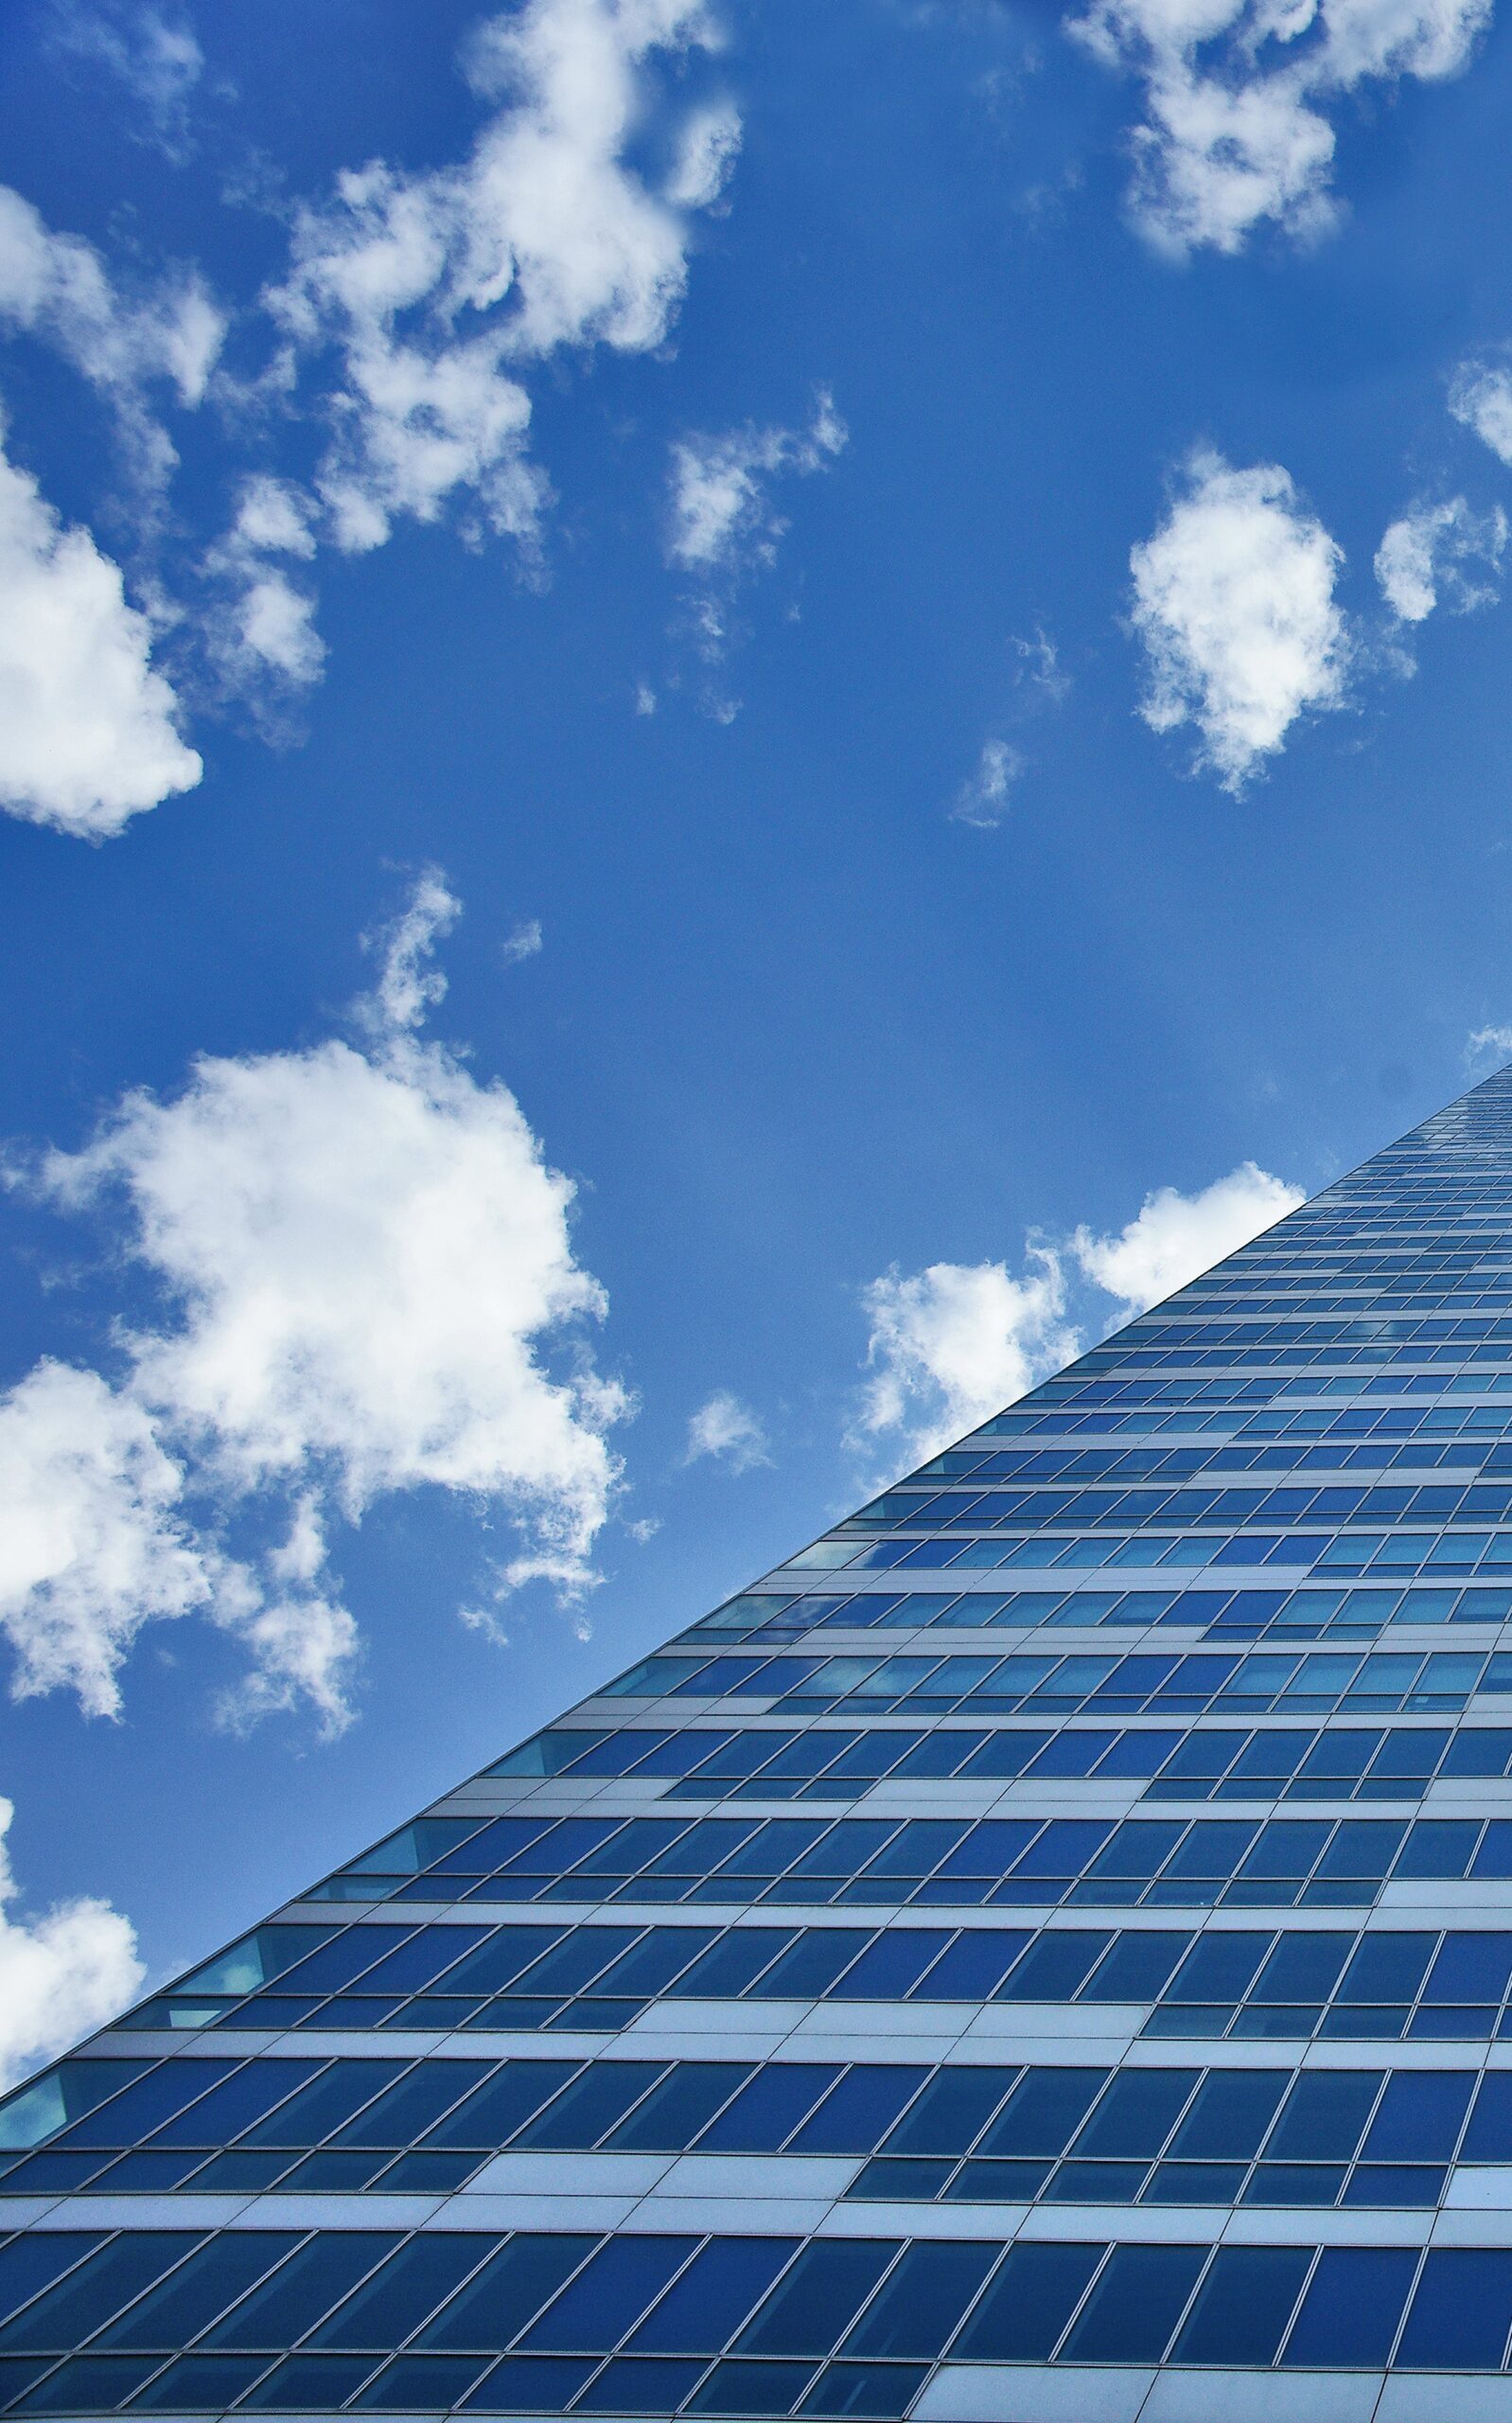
(947, 2116)
(1352, 2306)
(675, 2112)
(1243, 2306)
(28, 2265)
(1042, 2113)
(972, 1966)
(707, 2302)
(609, 2296)
(1136, 2113)
(1026, 2304)
(857, 2112)
(78, 2305)
(765, 2113)
(302, 2290)
(597, 2099)
(243, 2100)
(1135, 2305)
(1461, 2312)
(813, 2304)
(402, 2291)
(126, 2119)
(1229, 2116)
(888, 1966)
(500, 2300)
(1419, 2116)
(181, 2306)
(495, 2109)
(918, 2306)
(1322, 2116)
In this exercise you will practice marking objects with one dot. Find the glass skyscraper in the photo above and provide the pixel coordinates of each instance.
(1043, 1954)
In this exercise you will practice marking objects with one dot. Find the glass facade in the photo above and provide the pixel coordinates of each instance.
(1043, 1954)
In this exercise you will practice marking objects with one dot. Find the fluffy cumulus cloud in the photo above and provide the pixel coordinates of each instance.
(433, 291)
(951, 1344)
(1438, 554)
(1481, 396)
(62, 1974)
(728, 1432)
(1237, 127)
(93, 1545)
(371, 1287)
(1233, 598)
(88, 727)
(955, 1342)
(1174, 1237)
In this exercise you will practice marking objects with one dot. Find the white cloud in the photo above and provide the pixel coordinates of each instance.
(373, 1286)
(709, 147)
(88, 729)
(1488, 1043)
(720, 514)
(262, 624)
(955, 1342)
(951, 1344)
(1481, 396)
(728, 1431)
(154, 57)
(983, 799)
(1174, 1237)
(56, 287)
(1237, 93)
(62, 1976)
(523, 942)
(1426, 554)
(93, 1543)
(435, 288)
(1234, 602)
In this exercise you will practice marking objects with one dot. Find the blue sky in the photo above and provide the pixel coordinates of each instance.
(714, 724)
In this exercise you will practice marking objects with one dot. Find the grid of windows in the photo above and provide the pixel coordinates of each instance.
(977, 2132)
(1354, 1762)
(1380, 1984)
(756, 2326)
(1256, 1550)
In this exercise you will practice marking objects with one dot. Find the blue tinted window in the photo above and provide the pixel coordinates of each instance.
(675, 2112)
(1026, 2304)
(856, 2112)
(27, 2265)
(597, 2099)
(1419, 2116)
(500, 2300)
(1243, 2306)
(917, 2309)
(1352, 2306)
(707, 2302)
(78, 2305)
(414, 2281)
(302, 2290)
(946, 2117)
(814, 2303)
(609, 2296)
(1135, 2305)
(765, 2114)
(494, 2110)
(244, 2098)
(1460, 2314)
(127, 2118)
(181, 2306)
(1229, 2116)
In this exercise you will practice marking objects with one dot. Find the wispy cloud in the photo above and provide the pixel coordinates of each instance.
(729, 1433)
